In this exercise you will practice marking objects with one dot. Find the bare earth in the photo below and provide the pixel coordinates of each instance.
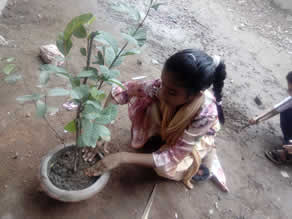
(254, 38)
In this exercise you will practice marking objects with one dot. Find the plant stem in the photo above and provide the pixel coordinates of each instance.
(89, 51)
(79, 109)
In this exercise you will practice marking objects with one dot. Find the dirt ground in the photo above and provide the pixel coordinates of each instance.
(254, 38)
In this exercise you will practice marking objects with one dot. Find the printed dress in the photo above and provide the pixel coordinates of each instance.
(174, 161)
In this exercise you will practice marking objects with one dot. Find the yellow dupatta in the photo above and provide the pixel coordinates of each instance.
(173, 126)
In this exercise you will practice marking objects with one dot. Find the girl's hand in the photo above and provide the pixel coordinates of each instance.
(108, 163)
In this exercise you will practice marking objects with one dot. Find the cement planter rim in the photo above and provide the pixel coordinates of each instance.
(63, 195)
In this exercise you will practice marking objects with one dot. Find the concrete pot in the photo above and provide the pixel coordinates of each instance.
(64, 195)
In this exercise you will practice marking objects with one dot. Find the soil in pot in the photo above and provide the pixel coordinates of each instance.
(61, 170)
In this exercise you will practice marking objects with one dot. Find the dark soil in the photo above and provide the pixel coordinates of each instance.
(61, 170)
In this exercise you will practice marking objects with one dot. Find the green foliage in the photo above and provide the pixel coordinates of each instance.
(9, 69)
(80, 92)
(107, 115)
(57, 92)
(156, 6)
(87, 90)
(129, 52)
(140, 35)
(74, 27)
(108, 40)
(31, 97)
(12, 79)
(41, 108)
(92, 131)
(134, 13)
(71, 126)
(83, 51)
(92, 72)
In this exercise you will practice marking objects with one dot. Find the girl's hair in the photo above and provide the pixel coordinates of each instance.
(289, 77)
(196, 71)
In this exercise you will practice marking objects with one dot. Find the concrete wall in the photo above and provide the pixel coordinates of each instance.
(2, 5)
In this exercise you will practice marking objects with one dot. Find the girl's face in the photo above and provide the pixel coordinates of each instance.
(172, 94)
(290, 88)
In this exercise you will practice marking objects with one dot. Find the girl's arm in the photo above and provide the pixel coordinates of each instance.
(265, 116)
(115, 160)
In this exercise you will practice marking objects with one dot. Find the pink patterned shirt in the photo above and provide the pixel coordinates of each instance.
(140, 95)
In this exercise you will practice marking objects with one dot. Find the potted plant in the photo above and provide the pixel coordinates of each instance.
(62, 169)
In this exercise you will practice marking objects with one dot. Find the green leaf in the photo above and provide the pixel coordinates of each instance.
(9, 68)
(75, 82)
(88, 73)
(109, 55)
(41, 108)
(64, 45)
(63, 75)
(115, 81)
(60, 43)
(31, 97)
(96, 104)
(114, 73)
(107, 115)
(104, 132)
(53, 68)
(80, 92)
(98, 95)
(80, 32)
(90, 116)
(10, 59)
(58, 92)
(129, 10)
(156, 6)
(99, 59)
(107, 39)
(90, 132)
(11, 79)
(130, 39)
(75, 24)
(118, 62)
(44, 77)
(83, 51)
(129, 52)
(104, 71)
(140, 35)
(71, 126)
(91, 20)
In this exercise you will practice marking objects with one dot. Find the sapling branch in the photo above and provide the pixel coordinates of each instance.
(126, 44)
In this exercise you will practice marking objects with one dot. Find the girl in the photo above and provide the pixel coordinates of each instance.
(180, 109)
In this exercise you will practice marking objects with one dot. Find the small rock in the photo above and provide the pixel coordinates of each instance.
(284, 174)
(3, 41)
(50, 54)
(216, 205)
(154, 62)
(15, 156)
(27, 115)
(139, 62)
(211, 211)
(176, 215)
(6, 186)
(258, 101)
